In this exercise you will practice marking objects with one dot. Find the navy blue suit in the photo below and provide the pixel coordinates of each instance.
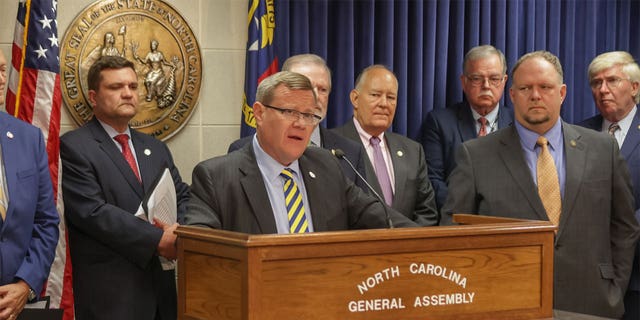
(443, 131)
(29, 234)
(116, 271)
(353, 151)
(630, 150)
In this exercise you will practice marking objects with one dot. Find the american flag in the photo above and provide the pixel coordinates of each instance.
(34, 96)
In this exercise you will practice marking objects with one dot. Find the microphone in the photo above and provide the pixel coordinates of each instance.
(338, 153)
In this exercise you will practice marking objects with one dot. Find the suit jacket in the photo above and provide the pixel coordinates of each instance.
(414, 196)
(116, 272)
(597, 231)
(631, 151)
(330, 141)
(30, 232)
(443, 131)
(228, 193)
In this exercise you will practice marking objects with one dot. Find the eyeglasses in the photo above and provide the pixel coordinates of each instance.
(612, 82)
(308, 119)
(477, 81)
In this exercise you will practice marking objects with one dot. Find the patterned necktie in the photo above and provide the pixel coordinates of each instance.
(293, 200)
(483, 126)
(548, 183)
(123, 140)
(613, 128)
(380, 168)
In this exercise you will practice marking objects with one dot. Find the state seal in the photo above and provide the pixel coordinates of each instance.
(160, 43)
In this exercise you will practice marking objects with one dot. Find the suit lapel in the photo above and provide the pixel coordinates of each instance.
(511, 154)
(400, 168)
(466, 124)
(351, 133)
(143, 154)
(315, 193)
(108, 147)
(504, 118)
(632, 140)
(576, 156)
(255, 191)
(9, 160)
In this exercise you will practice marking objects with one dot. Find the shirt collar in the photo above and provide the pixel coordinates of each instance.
(528, 138)
(113, 132)
(365, 136)
(491, 117)
(624, 124)
(269, 167)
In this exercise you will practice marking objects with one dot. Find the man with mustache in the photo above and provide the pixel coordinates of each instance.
(614, 78)
(396, 162)
(444, 130)
(542, 168)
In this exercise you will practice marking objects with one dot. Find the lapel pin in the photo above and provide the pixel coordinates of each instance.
(639, 126)
(400, 153)
(9, 135)
(573, 143)
(312, 175)
(147, 152)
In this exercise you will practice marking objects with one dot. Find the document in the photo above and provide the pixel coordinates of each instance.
(160, 203)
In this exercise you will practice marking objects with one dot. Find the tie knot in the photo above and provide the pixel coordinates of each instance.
(483, 121)
(122, 139)
(613, 128)
(287, 173)
(375, 141)
(542, 141)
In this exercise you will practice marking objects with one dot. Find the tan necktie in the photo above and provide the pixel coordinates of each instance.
(3, 202)
(548, 183)
(483, 127)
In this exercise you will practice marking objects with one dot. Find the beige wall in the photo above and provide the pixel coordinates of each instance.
(220, 26)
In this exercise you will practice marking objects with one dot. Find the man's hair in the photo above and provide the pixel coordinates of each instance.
(106, 62)
(291, 80)
(363, 74)
(482, 52)
(547, 56)
(306, 58)
(617, 58)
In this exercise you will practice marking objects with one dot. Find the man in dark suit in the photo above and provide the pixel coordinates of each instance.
(614, 78)
(116, 269)
(545, 169)
(29, 220)
(444, 130)
(396, 162)
(276, 184)
(316, 69)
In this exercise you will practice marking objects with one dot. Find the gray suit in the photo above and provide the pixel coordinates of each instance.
(414, 196)
(597, 232)
(228, 193)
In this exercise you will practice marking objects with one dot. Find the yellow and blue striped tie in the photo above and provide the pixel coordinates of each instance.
(293, 201)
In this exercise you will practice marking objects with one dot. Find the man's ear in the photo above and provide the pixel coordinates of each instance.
(92, 97)
(354, 95)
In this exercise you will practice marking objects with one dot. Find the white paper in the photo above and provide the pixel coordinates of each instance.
(162, 205)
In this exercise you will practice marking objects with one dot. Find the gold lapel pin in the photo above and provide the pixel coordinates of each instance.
(400, 153)
(573, 143)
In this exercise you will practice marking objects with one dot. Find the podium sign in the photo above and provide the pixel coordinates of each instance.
(493, 268)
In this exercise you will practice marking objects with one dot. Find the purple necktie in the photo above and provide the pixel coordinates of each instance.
(381, 171)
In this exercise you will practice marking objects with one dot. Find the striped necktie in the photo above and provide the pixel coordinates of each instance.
(548, 183)
(293, 200)
(483, 126)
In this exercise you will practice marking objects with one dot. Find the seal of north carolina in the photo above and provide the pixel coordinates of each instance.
(160, 43)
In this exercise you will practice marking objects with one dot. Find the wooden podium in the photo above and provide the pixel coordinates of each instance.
(485, 268)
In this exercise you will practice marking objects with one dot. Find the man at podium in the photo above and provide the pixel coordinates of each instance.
(275, 184)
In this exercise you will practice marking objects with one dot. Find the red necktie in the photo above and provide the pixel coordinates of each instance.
(123, 140)
(483, 127)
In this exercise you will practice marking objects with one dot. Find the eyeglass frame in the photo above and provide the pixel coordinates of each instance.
(612, 82)
(473, 79)
(305, 117)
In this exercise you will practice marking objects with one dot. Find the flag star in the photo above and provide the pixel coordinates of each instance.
(54, 40)
(54, 4)
(46, 22)
(41, 52)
